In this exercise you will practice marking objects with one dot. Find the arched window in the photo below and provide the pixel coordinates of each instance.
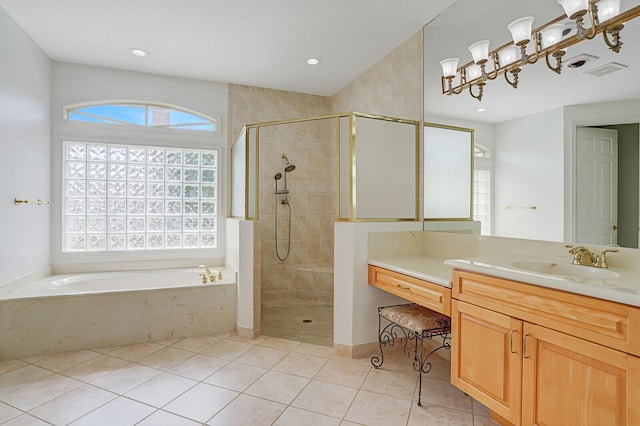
(141, 114)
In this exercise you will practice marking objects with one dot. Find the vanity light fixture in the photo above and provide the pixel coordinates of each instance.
(527, 45)
(138, 52)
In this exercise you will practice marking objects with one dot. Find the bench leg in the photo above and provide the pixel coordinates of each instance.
(375, 360)
(422, 364)
(387, 337)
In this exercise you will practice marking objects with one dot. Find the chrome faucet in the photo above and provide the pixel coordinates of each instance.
(583, 256)
(207, 276)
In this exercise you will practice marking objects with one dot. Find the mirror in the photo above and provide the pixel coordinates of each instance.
(531, 133)
(448, 165)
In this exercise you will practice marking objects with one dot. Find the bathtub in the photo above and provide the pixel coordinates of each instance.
(81, 311)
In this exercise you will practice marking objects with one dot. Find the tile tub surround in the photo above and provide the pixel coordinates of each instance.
(44, 325)
(223, 379)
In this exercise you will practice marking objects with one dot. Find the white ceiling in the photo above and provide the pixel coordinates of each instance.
(255, 42)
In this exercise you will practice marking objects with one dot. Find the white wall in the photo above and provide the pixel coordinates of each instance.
(355, 318)
(529, 171)
(73, 83)
(24, 152)
(240, 257)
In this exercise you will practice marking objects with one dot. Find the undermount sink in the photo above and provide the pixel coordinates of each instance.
(569, 272)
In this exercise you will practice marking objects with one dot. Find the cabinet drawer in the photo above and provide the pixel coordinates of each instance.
(601, 321)
(425, 293)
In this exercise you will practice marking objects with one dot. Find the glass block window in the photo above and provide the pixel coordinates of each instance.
(482, 199)
(129, 197)
(145, 115)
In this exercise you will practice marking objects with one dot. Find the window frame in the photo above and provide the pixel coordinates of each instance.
(69, 130)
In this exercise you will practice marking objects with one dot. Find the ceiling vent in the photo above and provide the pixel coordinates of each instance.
(606, 69)
(580, 60)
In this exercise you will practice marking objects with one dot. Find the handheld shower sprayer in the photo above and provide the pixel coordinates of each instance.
(287, 168)
(276, 178)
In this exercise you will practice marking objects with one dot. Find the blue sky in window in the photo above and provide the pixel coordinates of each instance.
(131, 114)
(135, 114)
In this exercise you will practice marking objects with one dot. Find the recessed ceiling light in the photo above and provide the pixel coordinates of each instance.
(138, 52)
(313, 61)
(481, 109)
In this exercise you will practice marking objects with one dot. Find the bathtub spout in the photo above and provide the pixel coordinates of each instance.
(207, 276)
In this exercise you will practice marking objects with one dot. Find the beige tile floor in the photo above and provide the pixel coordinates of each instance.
(226, 380)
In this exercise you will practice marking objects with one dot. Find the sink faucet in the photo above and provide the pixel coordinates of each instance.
(582, 256)
(207, 276)
(601, 258)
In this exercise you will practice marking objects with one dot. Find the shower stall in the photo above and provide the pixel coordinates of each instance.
(295, 179)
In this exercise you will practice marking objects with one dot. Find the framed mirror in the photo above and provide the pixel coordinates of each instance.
(532, 132)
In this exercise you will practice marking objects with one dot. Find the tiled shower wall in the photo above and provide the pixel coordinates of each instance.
(307, 274)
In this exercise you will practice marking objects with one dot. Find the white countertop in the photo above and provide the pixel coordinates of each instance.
(424, 268)
(624, 288)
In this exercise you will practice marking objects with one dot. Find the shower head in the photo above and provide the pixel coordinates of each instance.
(277, 176)
(288, 167)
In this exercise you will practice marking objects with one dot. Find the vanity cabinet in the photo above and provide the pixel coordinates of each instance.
(422, 292)
(538, 356)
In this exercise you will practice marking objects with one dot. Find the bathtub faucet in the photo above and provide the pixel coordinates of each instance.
(207, 276)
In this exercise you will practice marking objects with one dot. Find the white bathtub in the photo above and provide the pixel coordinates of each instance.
(70, 312)
(108, 282)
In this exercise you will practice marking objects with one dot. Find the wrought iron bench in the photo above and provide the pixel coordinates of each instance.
(416, 323)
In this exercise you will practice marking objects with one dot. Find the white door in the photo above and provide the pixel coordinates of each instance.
(597, 186)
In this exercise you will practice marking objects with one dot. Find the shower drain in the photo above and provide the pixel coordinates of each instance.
(307, 320)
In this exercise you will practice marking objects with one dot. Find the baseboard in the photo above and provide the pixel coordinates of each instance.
(247, 333)
(364, 350)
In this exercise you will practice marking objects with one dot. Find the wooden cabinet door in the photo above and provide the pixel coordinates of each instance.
(486, 358)
(587, 384)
